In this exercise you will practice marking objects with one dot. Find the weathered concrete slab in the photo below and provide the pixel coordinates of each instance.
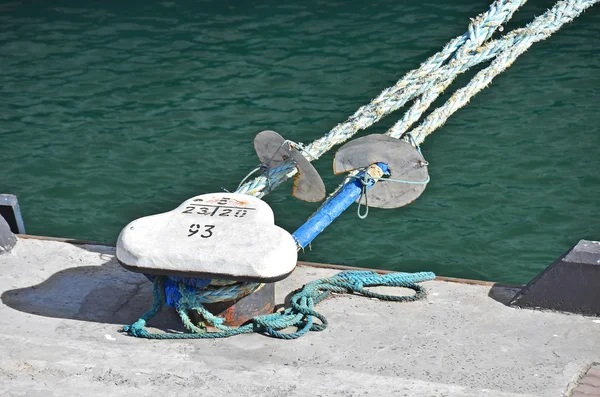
(571, 284)
(221, 235)
(62, 306)
(585, 251)
(7, 238)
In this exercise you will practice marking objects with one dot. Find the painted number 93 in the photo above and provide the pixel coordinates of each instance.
(204, 230)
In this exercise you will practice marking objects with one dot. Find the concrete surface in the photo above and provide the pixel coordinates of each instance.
(585, 251)
(63, 305)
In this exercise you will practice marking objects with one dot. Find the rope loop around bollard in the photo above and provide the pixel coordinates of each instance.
(300, 313)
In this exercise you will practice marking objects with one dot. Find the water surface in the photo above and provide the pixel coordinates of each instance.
(114, 110)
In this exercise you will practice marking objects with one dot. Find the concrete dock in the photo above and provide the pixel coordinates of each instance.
(62, 306)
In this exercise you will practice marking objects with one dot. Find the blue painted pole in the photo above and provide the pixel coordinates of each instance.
(333, 208)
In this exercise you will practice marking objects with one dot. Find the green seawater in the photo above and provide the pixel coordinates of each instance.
(110, 111)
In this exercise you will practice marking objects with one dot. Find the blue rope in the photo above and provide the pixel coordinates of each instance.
(300, 314)
(191, 281)
(175, 290)
(366, 181)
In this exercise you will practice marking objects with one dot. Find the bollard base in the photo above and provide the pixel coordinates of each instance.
(239, 312)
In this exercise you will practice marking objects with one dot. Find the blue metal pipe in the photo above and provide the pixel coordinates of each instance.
(333, 208)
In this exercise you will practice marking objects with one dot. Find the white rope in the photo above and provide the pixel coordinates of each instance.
(393, 98)
(505, 51)
(425, 84)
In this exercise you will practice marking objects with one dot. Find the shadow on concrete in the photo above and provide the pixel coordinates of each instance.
(101, 294)
(286, 301)
(504, 293)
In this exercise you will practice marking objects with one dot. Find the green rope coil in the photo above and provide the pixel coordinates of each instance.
(300, 314)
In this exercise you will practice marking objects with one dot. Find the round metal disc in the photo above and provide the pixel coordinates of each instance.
(272, 150)
(268, 146)
(405, 162)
